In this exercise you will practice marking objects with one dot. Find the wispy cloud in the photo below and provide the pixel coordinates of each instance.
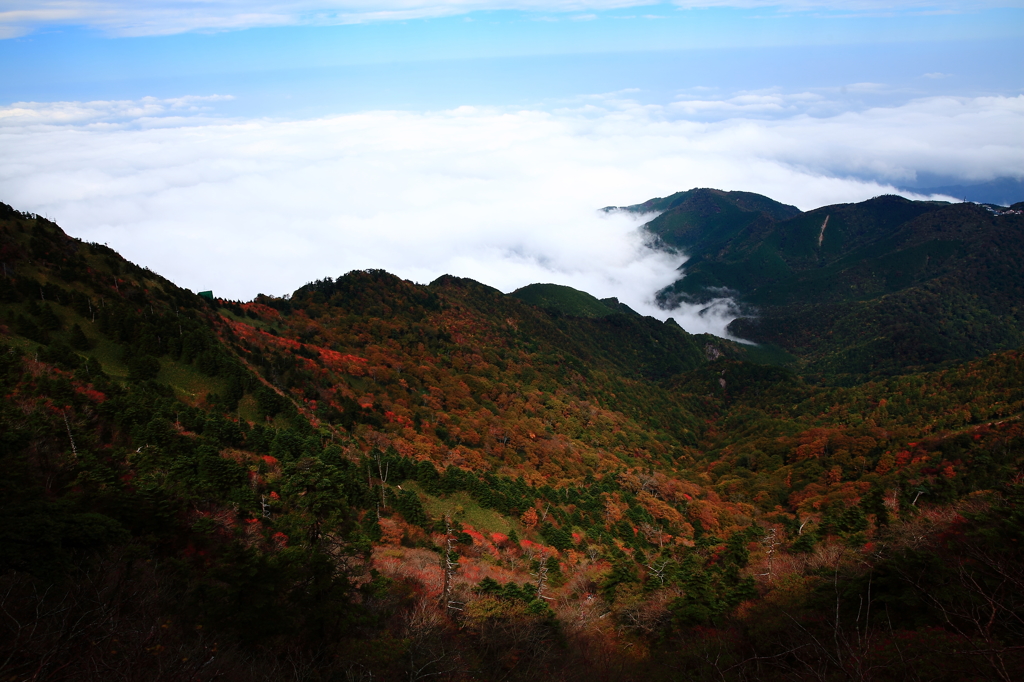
(505, 196)
(768, 103)
(161, 17)
(147, 109)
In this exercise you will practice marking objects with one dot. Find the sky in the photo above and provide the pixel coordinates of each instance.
(251, 147)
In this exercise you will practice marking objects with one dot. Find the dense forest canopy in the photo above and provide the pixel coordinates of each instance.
(372, 479)
(852, 290)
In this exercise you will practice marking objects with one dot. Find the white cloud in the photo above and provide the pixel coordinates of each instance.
(771, 103)
(505, 196)
(147, 108)
(161, 17)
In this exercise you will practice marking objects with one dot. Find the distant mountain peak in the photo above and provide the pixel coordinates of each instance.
(709, 201)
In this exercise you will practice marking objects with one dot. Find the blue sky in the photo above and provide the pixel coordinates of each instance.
(253, 146)
(512, 56)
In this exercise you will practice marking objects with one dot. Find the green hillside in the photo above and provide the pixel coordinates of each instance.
(856, 290)
(703, 220)
(563, 299)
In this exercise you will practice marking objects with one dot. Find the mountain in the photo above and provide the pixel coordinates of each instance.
(855, 290)
(374, 479)
(700, 220)
(563, 299)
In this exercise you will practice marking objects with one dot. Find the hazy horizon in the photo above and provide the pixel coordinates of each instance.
(253, 152)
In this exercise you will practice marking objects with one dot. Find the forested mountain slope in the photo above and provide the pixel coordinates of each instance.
(703, 220)
(374, 479)
(877, 288)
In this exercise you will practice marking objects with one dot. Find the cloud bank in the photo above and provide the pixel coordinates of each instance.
(504, 196)
(162, 17)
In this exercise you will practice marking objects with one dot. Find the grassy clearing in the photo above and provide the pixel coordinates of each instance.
(19, 342)
(248, 410)
(108, 354)
(251, 321)
(463, 508)
(187, 380)
(282, 422)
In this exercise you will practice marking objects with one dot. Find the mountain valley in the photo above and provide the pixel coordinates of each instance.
(372, 479)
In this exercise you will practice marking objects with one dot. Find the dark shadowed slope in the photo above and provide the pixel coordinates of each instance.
(854, 289)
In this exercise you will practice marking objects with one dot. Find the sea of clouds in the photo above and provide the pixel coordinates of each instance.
(506, 196)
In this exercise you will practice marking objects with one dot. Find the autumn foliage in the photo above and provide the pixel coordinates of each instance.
(302, 484)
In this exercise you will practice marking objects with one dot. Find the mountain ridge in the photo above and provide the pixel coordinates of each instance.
(374, 479)
(851, 290)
